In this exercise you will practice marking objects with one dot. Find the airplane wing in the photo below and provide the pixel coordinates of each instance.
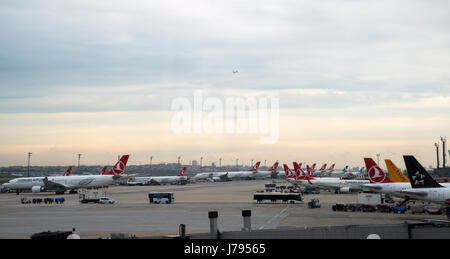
(369, 188)
(326, 187)
(153, 181)
(414, 194)
(123, 176)
(53, 185)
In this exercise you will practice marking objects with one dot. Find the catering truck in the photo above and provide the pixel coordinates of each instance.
(86, 196)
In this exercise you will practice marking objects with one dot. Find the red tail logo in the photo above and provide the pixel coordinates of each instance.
(288, 171)
(119, 167)
(331, 168)
(67, 173)
(255, 167)
(274, 167)
(182, 172)
(323, 167)
(103, 170)
(376, 175)
(298, 171)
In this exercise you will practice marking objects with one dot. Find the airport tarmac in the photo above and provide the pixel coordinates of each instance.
(133, 214)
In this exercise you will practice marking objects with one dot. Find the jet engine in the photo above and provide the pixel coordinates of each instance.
(344, 189)
(36, 189)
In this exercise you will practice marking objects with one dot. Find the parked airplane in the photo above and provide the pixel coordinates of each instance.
(401, 187)
(424, 187)
(322, 171)
(283, 174)
(338, 173)
(60, 184)
(354, 175)
(158, 180)
(330, 183)
(380, 182)
(225, 176)
(272, 171)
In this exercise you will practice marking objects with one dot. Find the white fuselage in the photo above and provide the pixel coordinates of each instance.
(436, 195)
(262, 174)
(396, 188)
(159, 179)
(388, 188)
(230, 175)
(69, 182)
(331, 183)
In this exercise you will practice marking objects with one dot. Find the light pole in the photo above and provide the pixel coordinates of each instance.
(237, 159)
(151, 158)
(220, 162)
(79, 157)
(378, 159)
(437, 154)
(201, 161)
(179, 160)
(443, 139)
(29, 156)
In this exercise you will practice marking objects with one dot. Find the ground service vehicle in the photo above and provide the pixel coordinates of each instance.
(368, 208)
(106, 200)
(277, 196)
(399, 209)
(338, 207)
(433, 209)
(161, 197)
(416, 208)
(86, 196)
(314, 203)
(384, 208)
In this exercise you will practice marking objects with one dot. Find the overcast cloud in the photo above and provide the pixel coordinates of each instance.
(377, 58)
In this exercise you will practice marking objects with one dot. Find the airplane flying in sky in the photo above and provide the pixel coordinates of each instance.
(60, 184)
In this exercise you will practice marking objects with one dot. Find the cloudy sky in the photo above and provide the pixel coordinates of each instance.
(353, 78)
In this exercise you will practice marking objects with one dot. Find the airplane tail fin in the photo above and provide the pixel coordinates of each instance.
(331, 168)
(313, 166)
(323, 167)
(310, 171)
(417, 175)
(288, 171)
(103, 170)
(298, 171)
(394, 173)
(274, 167)
(345, 168)
(69, 170)
(182, 172)
(119, 167)
(255, 167)
(376, 175)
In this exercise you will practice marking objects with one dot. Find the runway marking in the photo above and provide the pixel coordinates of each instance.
(274, 217)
